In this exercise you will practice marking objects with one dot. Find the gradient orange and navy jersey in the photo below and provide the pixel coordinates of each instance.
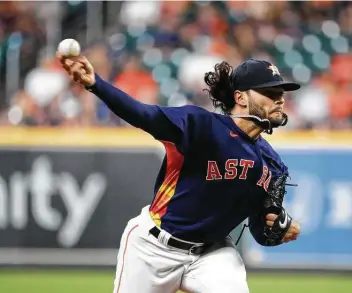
(213, 178)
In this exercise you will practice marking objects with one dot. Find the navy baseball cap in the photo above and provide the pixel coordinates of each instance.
(256, 74)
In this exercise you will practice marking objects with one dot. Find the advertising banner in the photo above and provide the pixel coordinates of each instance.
(67, 199)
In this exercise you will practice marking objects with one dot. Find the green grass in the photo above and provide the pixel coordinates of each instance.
(34, 281)
(299, 283)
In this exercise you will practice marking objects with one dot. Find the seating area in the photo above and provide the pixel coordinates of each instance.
(159, 51)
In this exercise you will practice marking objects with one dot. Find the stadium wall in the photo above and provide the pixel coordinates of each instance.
(66, 195)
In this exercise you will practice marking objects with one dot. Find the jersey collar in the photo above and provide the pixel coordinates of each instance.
(233, 126)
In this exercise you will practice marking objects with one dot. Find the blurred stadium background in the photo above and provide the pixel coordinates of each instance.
(69, 167)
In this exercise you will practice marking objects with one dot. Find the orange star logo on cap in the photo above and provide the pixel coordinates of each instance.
(274, 69)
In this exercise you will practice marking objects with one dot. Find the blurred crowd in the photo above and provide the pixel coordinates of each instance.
(159, 51)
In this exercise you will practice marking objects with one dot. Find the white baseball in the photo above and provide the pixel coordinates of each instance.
(69, 47)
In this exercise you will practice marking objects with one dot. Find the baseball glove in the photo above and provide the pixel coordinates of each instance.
(273, 205)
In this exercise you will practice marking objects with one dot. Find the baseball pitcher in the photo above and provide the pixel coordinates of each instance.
(218, 170)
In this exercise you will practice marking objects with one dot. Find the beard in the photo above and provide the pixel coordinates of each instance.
(260, 112)
(256, 110)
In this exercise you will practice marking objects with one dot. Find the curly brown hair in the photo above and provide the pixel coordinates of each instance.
(220, 89)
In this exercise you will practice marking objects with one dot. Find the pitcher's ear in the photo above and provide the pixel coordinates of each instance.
(240, 98)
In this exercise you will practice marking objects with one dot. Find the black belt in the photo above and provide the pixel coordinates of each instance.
(175, 243)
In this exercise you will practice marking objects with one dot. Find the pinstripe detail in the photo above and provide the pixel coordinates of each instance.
(123, 256)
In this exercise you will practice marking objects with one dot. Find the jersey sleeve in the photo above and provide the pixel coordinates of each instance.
(192, 123)
(179, 125)
(277, 166)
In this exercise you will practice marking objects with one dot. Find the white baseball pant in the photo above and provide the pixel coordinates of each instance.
(144, 264)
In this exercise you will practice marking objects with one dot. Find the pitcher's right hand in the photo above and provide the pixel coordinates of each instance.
(79, 69)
